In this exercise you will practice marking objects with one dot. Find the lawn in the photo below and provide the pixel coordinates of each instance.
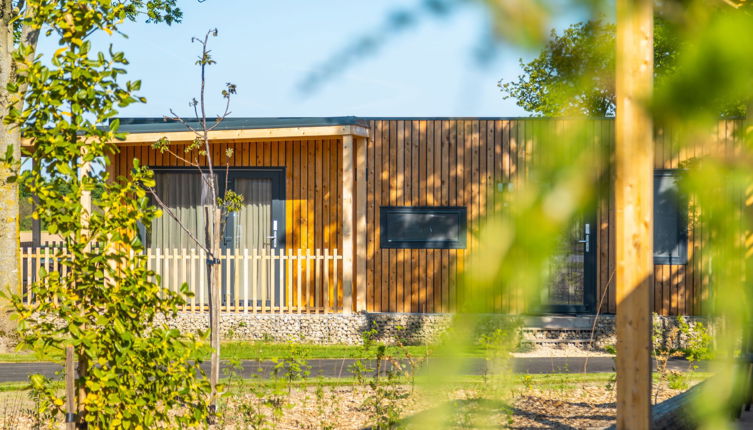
(271, 351)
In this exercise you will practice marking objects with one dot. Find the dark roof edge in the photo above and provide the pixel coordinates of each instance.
(159, 124)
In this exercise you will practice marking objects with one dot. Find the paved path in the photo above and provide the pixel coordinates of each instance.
(334, 368)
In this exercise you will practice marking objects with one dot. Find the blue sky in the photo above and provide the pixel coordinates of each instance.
(268, 48)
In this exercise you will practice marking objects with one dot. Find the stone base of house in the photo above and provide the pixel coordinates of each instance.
(348, 329)
(407, 328)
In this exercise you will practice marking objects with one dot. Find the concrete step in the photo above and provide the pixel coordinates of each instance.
(560, 322)
(557, 341)
(582, 343)
(564, 334)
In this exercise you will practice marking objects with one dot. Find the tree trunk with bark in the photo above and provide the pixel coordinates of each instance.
(215, 288)
(10, 140)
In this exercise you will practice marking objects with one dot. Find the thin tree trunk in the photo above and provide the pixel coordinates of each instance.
(9, 138)
(215, 286)
(83, 361)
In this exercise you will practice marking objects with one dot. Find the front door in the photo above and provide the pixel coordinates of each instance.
(572, 281)
(250, 272)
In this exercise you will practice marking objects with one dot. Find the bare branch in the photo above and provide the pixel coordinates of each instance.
(223, 116)
(202, 106)
(183, 159)
(180, 224)
(178, 118)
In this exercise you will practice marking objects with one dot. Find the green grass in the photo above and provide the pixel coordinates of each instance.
(272, 351)
(27, 356)
(255, 351)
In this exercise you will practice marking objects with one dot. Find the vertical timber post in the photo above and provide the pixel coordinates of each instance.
(348, 182)
(360, 224)
(70, 406)
(86, 210)
(36, 224)
(634, 153)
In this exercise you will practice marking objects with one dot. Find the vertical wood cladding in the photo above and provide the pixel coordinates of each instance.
(443, 162)
(313, 208)
(455, 162)
(446, 162)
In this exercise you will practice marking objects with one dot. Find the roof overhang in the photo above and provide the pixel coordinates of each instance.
(242, 135)
(246, 135)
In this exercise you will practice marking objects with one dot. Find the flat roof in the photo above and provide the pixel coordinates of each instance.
(161, 125)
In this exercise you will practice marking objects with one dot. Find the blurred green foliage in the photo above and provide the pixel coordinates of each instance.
(704, 71)
(574, 72)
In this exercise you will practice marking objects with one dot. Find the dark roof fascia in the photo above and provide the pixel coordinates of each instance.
(160, 125)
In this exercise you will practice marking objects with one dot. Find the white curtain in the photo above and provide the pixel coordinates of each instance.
(184, 194)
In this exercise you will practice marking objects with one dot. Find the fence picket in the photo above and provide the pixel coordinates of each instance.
(255, 280)
(299, 277)
(271, 280)
(225, 292)
(245, 280)
(202, 277)
(164, 268)
(308, 280)
(192, 278)
(289, 280)
(281, 281)
(326, 280)
(176, 273)
(236, 280)
(263, 266)
(335, 292)
(317, 278)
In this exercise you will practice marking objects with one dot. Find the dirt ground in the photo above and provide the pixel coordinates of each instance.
(533, 406)
(586, 406)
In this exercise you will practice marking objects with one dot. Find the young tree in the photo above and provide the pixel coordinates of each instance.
(19, 33)
(133, 371)
(199, 155)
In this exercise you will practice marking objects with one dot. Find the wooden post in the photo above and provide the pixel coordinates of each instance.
(634, 212)
(36, 224)
(70, 390)
(348, 178)
(360, 234)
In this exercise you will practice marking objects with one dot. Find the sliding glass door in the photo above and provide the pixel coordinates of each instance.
(250, 235)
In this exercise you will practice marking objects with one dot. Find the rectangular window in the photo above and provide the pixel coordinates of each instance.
(423, 227)
(184, 194)
(670, 220)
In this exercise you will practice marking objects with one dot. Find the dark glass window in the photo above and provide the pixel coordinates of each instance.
(670, 220)
(422, 227)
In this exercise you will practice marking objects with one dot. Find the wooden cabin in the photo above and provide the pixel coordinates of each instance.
(378, 214)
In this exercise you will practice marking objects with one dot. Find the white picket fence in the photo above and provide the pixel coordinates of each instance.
(252, 280)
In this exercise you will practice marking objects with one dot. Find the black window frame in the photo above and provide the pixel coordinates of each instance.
(461, 211)
(681, 256)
